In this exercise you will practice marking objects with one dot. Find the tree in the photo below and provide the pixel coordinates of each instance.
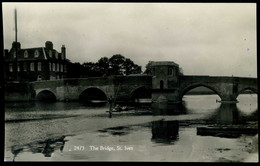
(131, 68)
(116, 65)
(119, 65)
(92, 69)
(103, 64)
(73, 70)
(148, 68)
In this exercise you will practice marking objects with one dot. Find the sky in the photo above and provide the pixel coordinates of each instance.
(216, 39)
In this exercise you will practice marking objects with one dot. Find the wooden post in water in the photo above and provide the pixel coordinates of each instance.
(16, 45)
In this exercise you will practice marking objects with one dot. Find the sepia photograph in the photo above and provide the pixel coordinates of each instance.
(130, 82)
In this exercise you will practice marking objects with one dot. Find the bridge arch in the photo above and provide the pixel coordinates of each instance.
(46, 95)
(93, 93)
(245, 89)
(193, 86)
(141, 92)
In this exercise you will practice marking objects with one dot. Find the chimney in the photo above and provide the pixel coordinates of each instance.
(16, 44)
(63, 51)
(5, 53)
(49, 45)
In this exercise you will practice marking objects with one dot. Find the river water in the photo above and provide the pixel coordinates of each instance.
(72, 131)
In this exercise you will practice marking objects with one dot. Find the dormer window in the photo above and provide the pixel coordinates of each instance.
(36, 54)
(14, 54)
(50, 54)
(56, 55)
(26, 54)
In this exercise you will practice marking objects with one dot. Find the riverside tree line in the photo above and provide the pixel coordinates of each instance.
(116, 65)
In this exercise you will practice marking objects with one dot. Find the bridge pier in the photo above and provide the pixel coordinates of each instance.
(230, 98)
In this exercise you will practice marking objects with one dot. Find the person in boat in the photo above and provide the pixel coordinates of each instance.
(110, 101)
(118, 108)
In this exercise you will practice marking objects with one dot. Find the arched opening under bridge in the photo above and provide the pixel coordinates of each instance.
(46, 96)
(247, 100)
(142, 95)
(200, 98)
(93, 95)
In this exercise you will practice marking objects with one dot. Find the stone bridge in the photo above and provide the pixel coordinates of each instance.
(130, 88)
(227, 88)
(94, 88)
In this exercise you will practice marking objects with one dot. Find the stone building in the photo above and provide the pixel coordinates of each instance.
(165, 80)
(35, 64)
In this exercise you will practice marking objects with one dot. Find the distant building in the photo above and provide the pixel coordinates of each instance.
(35, 64)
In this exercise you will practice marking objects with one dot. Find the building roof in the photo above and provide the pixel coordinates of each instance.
(43, 54)
(163, 63)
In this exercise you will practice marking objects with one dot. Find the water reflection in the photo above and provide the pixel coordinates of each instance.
(230, 114)
(121, 130)
(43, 106)
(165, 131)
(226, 114)
(169, 109)
(230, 122)
(46, 147)
(125, 125)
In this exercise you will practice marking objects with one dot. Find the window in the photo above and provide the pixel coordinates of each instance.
(36, 54)
(50, 66)
(39, 66)
(53, 67)
(14, 54)
(61, 68)
(65, 68)
(25, 54)
(62, 56)
(50, 54)
(56, 55)
(170, 71)
(24, 66)
(11, 67)
(32, 66)
(58, 67)
(161, 84)
(18, 67)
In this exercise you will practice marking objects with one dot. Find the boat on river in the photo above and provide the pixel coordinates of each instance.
(121, 108)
